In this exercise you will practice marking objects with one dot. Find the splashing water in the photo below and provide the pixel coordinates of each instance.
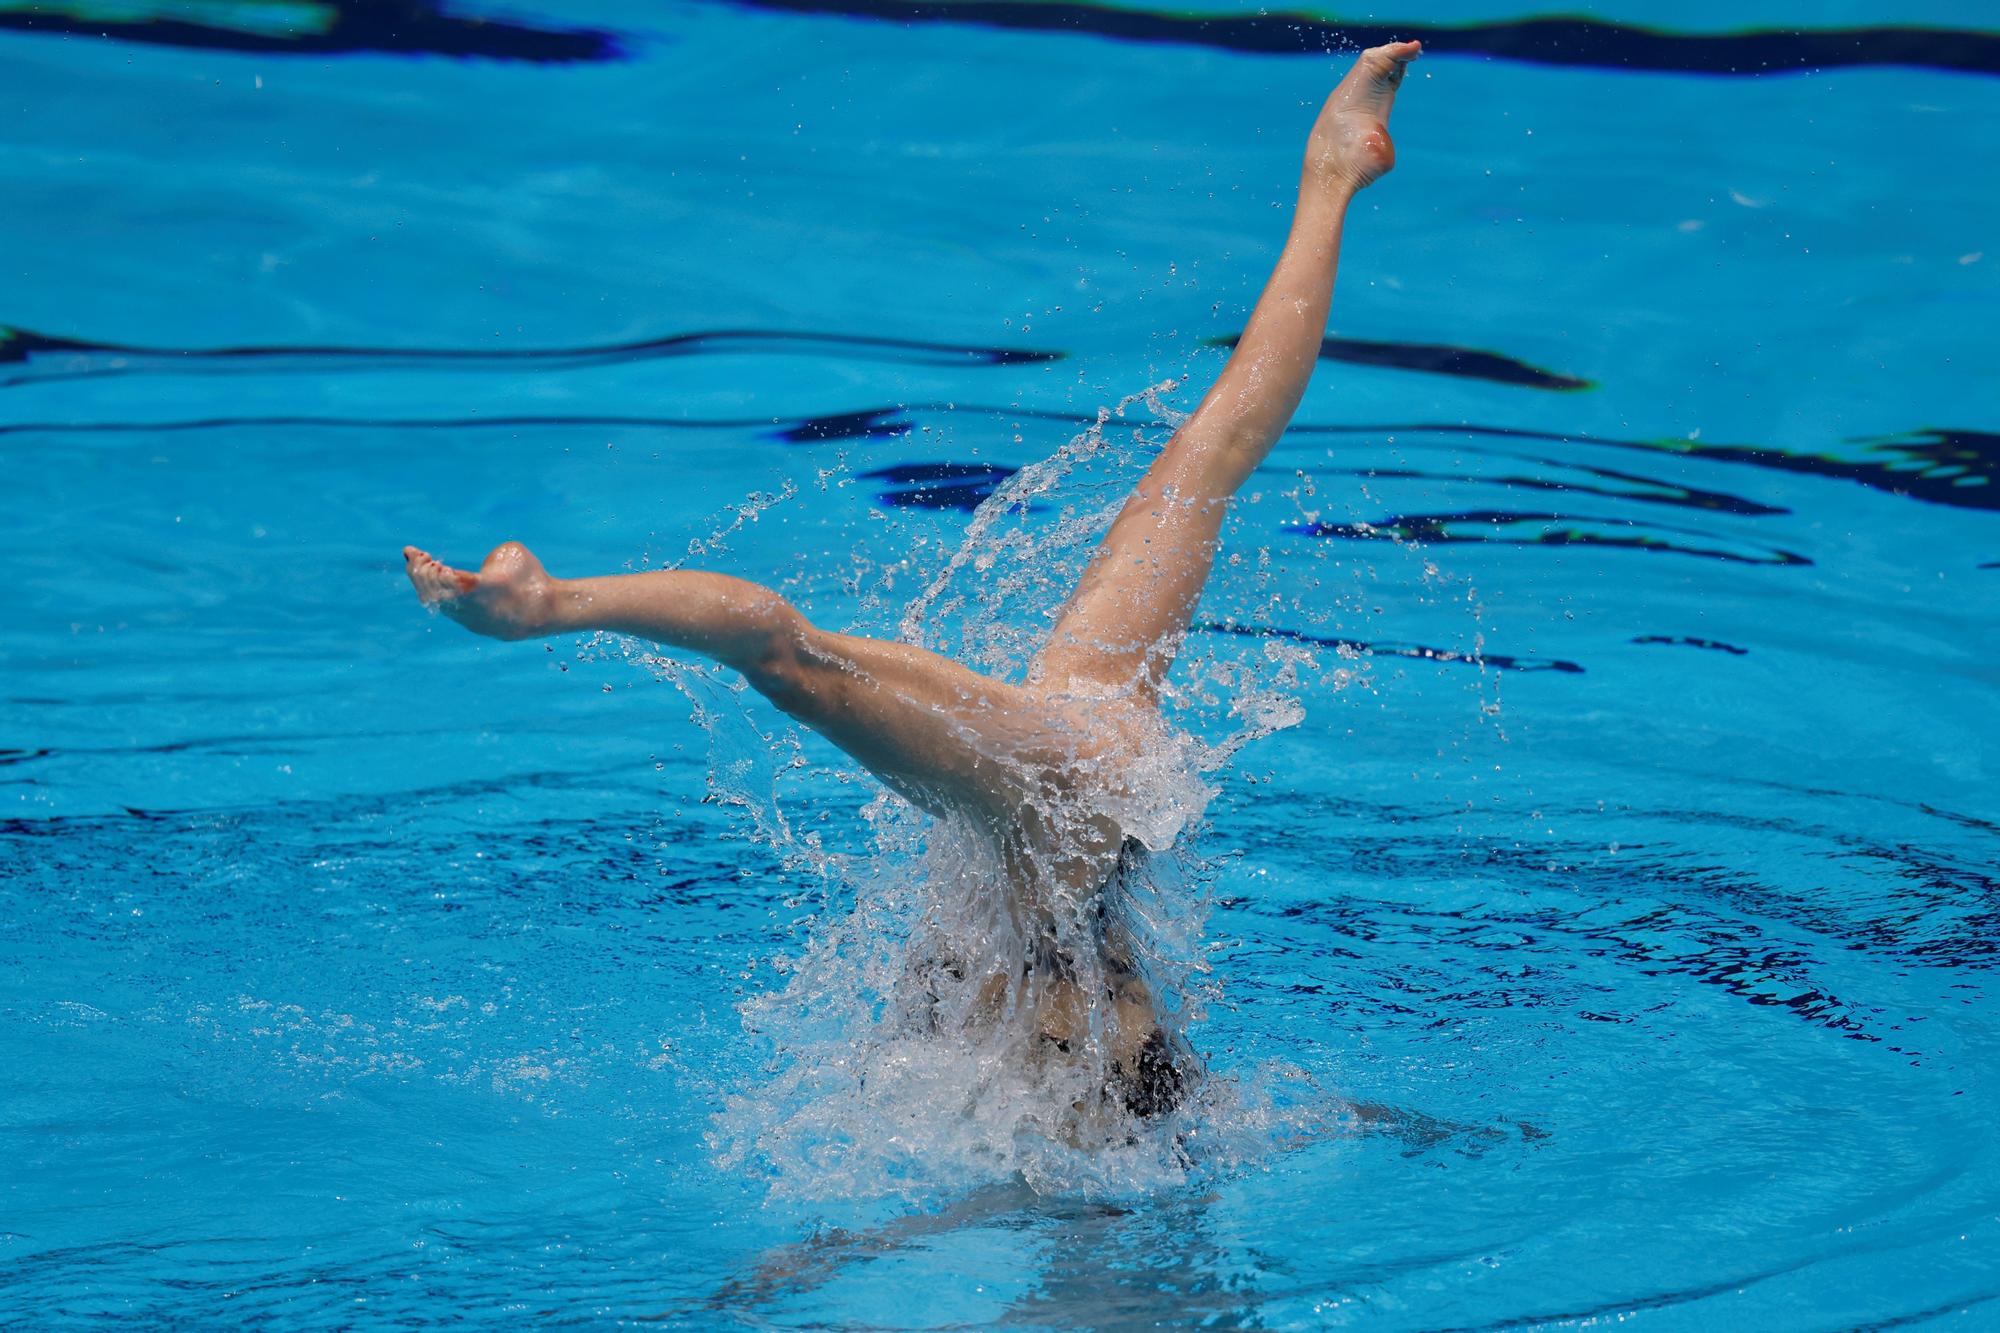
(967, 1008)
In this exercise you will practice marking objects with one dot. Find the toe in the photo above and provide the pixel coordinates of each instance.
(435, 582)
(1385, 63)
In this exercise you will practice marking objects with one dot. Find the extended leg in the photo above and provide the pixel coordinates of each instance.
(1122, 626)
(943, 736)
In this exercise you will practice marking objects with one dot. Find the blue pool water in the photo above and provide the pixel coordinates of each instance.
(1612, 938)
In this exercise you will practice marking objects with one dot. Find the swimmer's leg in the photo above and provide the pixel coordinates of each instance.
(1122, 626)
(941, 735)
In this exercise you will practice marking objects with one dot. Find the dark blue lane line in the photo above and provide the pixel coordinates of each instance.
(1496, 527)
(499, 421)
(874, 423)
(1951, 467)
(1414, 651)
(47, 357)
(204, 818)
(44, 358)
(1925, 1316)
(1572, 41)
(960, 487)
(425, 28)
(1957, 468)
(1650, 490)
(332, 27)
(1954, 467)
(965, 486)
(1715, 644)
(1438, 359)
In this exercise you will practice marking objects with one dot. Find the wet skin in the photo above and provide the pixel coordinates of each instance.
(1039, 767)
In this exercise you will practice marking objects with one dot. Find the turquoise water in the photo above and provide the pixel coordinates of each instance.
(1611, 938)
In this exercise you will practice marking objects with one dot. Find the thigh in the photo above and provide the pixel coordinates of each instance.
(938, 733)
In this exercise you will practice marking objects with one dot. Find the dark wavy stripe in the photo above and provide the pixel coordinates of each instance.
(841, 425)
(1946, 466)
(1955, 467)
(963, 487)
(1644, 489)
(875, 423)
(252, 743)
(959, 487)
(904, 474)
(1682, 939)
(190, 818)
(1960, 468)
(1715, 644)
(1415, 651)
(1715, 922)
(1437, 359)
(1489, 526)
(1935, 1313)
(393, 27)
(1957, 817)
(960, 498)
(375, 423)
(1952, 467)
(1541, 41)
(1945, 911)
(44, 358)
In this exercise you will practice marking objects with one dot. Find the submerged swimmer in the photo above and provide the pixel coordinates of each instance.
(1043, 771)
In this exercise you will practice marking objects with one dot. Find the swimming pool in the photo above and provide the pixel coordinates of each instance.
(1613, 940)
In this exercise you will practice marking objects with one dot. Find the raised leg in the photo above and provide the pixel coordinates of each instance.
(940, 734)
(1121, 629)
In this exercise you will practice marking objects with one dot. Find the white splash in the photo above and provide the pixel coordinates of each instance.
(966, 1009)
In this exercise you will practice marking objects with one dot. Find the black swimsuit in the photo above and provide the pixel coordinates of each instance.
(1159, 1084)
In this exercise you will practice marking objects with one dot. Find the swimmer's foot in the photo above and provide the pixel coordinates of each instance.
(511, 597)
(1350, 144)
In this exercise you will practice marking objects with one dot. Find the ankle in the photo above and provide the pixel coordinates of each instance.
(1328, 190)
(553, 605)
